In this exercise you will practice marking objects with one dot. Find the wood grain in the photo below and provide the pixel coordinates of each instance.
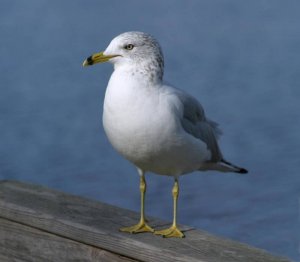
(23, 243)
(96, 224)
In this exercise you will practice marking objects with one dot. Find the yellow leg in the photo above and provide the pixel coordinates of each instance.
(173, 231)
(142, 225)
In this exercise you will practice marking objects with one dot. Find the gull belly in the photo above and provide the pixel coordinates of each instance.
(142, 123)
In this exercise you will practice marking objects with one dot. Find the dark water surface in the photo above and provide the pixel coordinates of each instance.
(241, 59)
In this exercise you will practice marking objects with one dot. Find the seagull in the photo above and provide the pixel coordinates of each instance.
(155, 126)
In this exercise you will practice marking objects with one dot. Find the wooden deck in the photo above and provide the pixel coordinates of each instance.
(40, 224)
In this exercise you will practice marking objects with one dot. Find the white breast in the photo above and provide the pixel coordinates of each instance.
(141, 127)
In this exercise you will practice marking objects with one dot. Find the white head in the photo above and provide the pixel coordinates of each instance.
(135, 50)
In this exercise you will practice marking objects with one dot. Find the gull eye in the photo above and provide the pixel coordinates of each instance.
(129, 47)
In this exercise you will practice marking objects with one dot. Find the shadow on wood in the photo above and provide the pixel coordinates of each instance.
(48, 225)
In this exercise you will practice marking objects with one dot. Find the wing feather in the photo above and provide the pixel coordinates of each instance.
(195, 123)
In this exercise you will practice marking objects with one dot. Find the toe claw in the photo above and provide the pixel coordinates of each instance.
(138, 228)
(173, 231)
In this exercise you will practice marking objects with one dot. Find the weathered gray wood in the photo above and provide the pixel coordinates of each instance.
(96, 224)
(24, 243)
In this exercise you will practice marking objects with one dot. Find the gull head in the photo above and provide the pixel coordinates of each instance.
(136, 51)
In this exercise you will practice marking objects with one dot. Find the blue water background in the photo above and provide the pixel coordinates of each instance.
(241, 59)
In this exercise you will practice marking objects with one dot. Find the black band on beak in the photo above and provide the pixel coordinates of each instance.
(90, 60)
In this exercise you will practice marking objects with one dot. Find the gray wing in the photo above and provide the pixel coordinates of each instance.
(195, 123)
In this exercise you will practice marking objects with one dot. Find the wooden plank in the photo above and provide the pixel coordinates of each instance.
(23, 243)
(96, 224)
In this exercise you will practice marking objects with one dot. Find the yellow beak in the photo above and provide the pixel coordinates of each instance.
(97, 58)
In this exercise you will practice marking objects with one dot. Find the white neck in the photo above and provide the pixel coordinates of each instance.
(145, 71)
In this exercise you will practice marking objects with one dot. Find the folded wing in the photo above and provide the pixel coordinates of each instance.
(196, 124)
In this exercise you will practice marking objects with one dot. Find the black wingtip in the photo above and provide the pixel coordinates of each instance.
(242, 171)
(239, 170)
